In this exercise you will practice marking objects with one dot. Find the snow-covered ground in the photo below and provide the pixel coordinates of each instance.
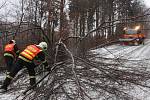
(139, 54)
(13, 90)
(136, 56)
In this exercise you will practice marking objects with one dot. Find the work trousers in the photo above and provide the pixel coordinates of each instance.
(9, 63)
(17, 67)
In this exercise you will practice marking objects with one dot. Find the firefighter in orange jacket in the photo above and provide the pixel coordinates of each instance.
(26, 58)
(10, 53)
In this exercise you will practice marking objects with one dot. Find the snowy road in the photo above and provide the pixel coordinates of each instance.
(129, 56)
(139, 54)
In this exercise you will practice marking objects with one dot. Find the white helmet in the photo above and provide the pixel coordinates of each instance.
(43, 45)
(12, 41)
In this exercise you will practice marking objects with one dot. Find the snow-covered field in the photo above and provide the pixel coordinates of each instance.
(139, 54)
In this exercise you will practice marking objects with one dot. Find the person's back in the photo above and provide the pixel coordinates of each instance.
(10, 53)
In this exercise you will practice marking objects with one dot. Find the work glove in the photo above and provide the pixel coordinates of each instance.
(17, 53)
(46, 66)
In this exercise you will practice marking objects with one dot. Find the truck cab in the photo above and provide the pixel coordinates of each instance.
(132, 36)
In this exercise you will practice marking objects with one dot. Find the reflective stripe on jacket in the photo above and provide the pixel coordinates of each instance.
(8, 54)
(30, 52)
(25, 59)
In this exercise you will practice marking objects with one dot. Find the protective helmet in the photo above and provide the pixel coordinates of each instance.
(12, 41)
(43, 45)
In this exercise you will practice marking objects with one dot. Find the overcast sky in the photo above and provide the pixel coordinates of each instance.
(10, 2)
(10, 7)
(147, 2)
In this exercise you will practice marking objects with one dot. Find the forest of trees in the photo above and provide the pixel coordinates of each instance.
(71, 28)
(86, 21)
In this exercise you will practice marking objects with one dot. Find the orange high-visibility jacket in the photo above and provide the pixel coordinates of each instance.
(9, 48)
(30, 52)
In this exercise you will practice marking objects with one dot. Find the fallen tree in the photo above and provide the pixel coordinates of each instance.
(80, 78)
